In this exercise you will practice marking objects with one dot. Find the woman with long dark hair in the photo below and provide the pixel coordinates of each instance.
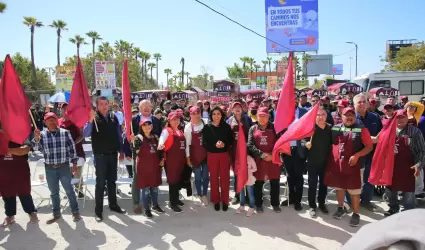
(217, 137)
(206, 110)
(173, 142)
(148, 166)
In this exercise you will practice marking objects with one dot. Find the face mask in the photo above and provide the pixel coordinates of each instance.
(253, 112)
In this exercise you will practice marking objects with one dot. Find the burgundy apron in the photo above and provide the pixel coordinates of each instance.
(336, 117)
(403, 175)
(176, 159)
(197, 152)
(264, 141)
(149, 173)
(338, 172)
(15, 176)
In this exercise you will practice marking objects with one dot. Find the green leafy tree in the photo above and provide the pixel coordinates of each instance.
(187, 78)
(136, 52)
(257, 67)
(59, 25)
(168, 72)
(235, 72)
(306, 59)
(3, 7)
(106, 52)
(410, 58)
(94, 36)
(151, 66)
(78, 40)
(157, 57)
(269, 62)
(32, 23)
(265, 63)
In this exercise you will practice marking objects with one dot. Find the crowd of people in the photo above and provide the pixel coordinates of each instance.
(202, 139)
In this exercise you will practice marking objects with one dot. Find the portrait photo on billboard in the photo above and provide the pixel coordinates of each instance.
(292, 25)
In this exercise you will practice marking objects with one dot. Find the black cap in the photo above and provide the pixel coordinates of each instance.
(167, 102)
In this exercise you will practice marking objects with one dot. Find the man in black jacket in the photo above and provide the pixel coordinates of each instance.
(145, 112)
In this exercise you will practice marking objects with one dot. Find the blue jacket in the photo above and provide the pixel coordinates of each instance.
(157, 125)
(371, 121)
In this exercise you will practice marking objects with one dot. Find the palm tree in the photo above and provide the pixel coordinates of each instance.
(187, 78)
(269, 62)
(182, 62)
(3, 7)
(175, 78)
(145, 57)
(265, 63)
(256, 66)
(78, 40)
(306, 59)
(136, 52)
(244, 60)
(59, 25)
(168, 72)
(128, 48)
(119, 46)
(94, 37)
(32, 23)
(157, 57)
(251, 61)
(151, 65)
(106, 50)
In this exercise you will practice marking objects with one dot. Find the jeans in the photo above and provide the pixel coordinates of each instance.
(26, 202)
(315, 173)
(408, 200)
(294, 168)
(274, 192)
(106, 172)
(129, 170)
(149, 193)
(367, 189)
(62, 174)
(250, 191)
(202, 179)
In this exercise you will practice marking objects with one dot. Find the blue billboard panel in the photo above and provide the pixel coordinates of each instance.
(292, 25)
(337, 69)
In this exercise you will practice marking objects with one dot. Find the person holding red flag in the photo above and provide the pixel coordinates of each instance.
(409, 159)
(261, 140)
(350, 141)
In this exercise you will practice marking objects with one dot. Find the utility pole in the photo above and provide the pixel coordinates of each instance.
(357, 48)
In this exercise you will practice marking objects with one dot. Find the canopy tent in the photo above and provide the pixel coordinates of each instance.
(383, 92)
(320, 92)
(256, 94)
(343, 88)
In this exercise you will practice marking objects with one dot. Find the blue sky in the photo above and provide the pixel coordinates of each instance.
(184, 28)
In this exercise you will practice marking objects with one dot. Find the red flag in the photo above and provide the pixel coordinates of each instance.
(126, 100)
(4, 144)
(241, 165)
(300, 129)
(285, 112)
(14, 105)
(381, 171)
(80, 105)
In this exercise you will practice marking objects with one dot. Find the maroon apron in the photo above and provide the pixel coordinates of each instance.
(197, 152)
(176, 159)
(338, 172)
(149, 173)
(403, 175)
(15, 176)
(264, 141)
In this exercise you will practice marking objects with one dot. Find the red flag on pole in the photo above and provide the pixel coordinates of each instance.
(126, 100)
(381, 171)
(14, 105)
(285, 112)
(80, 105)
(241, 164)
(300, 129)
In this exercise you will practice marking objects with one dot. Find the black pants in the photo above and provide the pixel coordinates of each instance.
(274, 192)
(174, 193)
(237, 195)
(129, 170)
(294, 168)
(106, 172)
(26, 202)
(316, 172)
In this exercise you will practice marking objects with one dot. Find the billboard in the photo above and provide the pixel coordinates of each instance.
(337, 69)
(292, 25)
(104, 73)
(65, 78)
(320, 64)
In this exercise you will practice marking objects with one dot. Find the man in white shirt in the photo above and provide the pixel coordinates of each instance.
(118, 114)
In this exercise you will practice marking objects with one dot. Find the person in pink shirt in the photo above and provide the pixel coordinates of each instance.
(249, 187)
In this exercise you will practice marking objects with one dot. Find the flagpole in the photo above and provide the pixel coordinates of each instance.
(132, 132)
(95, 124)
(33, 120)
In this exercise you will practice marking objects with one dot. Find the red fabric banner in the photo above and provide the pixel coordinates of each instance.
(300, 129)
(14, 105)
(126, 100)
(241, 162)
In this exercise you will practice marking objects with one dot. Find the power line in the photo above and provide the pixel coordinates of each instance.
(243, 26)
(345, 52)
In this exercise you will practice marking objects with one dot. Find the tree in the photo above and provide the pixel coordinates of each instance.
(78, 40)
(409, 58)
(269, 62)
(244, 60)
(251, 61)
(136, 52)
(151, 65)
(187, 78)
(145, 58)
(32, 23)
(175, 78)
(168, 72)
(3, 7)
(59, 25)
(235, 72)
(306, 59)
(182, 62)
(157, 57)
(257, 67)
(94, 37)
(265, 63)
(106, 51)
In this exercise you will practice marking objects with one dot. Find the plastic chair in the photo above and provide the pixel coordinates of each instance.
(40, 182)
(89, 180)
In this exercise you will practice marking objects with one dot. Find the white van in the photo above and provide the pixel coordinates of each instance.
(409, 83)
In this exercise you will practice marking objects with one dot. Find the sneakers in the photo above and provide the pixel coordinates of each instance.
(76, 217)
(312, 212)
(390, 212)
(339, 213)
(324, 209)
(180, 203)
(176, 209)
(148, 214)
(204, 200)
(217, 207)
(241, 209)
(225, 207)
(138, 209)
(355, 220)
(250, 212)
(277, 210)
(298, 206)
(158, 209)
(260, 210)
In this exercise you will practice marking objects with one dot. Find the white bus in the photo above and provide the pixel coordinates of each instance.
(409, 83)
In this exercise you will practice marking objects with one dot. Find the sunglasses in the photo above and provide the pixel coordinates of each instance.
(147, 124)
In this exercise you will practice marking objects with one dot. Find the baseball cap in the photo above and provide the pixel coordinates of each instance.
(325, 98)
(342, 103)
(404, 98)
(401, 112)
(253, 105)
(263, 111)
(134, 110)
(144, 121)
(347, 110)
(199, 101)
(49, 115)
(194, 109)
(337, 98)
(302, 94)
(172, 115)
(168, 102)
(224, 108)
(236, 103)
(388, 104)
(372, 101)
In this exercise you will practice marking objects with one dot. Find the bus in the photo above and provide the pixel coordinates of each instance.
(408, 83)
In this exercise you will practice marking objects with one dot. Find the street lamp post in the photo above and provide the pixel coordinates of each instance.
(357, 48)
